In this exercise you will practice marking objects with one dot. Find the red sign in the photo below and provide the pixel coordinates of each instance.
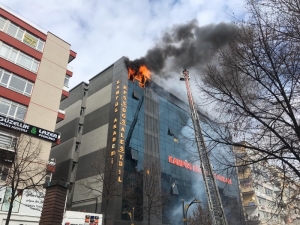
(195, 168)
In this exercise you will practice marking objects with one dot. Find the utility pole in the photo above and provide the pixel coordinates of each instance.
(214, 201)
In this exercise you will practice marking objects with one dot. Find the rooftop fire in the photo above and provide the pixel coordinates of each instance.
(141, 74)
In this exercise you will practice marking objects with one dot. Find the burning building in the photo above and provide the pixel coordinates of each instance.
(125, 144)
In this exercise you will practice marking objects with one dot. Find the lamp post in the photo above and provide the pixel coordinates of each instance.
(131, 215)
(185, 208)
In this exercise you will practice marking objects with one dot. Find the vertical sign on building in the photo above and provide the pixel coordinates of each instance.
(119, 128)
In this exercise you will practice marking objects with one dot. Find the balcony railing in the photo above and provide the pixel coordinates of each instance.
(250, 205)
(65, 88)
(247, 190)
(253, 219)
(70, 68)
(60, 115)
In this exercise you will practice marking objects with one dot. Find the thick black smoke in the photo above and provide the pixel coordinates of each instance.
(185, 46)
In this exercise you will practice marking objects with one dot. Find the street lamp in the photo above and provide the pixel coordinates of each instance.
(131, 215)
(185, 209)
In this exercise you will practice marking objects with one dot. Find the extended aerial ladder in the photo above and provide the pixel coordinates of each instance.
(214, 201)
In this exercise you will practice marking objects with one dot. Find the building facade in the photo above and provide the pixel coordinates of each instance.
(33, 80)
(265, 201)
(120, 132)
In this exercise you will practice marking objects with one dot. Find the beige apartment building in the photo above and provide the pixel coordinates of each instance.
(34, 77)
(265, 201)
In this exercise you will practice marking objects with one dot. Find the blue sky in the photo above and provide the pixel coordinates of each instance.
(102, 31)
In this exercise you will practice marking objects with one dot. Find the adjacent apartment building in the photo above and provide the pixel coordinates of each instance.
(34, 78)
(266, 200)
(120, 131)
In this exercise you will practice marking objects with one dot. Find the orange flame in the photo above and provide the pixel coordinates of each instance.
(142, 75)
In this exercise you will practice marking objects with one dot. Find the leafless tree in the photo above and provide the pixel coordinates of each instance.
(105, 185)
(200, 215)
(27, 170)
(145, 193)
(253, 85)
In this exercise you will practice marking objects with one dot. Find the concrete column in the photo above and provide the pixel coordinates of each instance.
(54, 202)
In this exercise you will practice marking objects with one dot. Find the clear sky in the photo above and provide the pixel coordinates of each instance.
(102, 31)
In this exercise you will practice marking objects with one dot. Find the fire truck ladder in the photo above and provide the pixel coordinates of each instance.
(214, 201)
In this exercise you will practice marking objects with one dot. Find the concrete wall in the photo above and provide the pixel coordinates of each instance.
(94, 140)
(75, 94)
(44, 104)
(71, 113)
(84, 199)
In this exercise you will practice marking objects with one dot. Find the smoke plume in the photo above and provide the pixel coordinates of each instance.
(185, 46)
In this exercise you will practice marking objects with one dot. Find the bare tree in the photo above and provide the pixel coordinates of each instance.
(105, 185)
(253, 85)
(27, 170)
(145, 194)
(200, 215)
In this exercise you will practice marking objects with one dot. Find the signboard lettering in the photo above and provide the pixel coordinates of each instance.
(28, 39)
(119, 137)
(28, 129)
(195, 168)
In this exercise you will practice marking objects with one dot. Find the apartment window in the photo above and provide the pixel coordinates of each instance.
(2, 23)
(4, 172)
(12, 109)
(260, 188)
(268, 192)
(22, 35)
(16, 83)
(261, 200)
(40, 45)
(271, 204)
(66, 82)
(7, 141)
(18, 57)
(15, 31)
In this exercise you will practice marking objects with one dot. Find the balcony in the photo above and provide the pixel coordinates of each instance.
(253, 220)
(72, 56)
(247, 190)
(57, 142)
(60, 115)
(240, 155)
(250, 205)
(245, 176)
(69, 70)
(64, 94)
